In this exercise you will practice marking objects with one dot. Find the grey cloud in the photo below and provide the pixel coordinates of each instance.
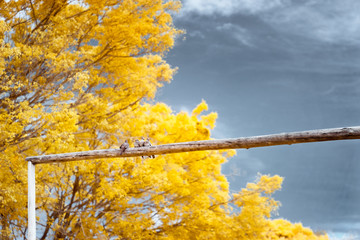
(237, 32)
(322, 20)
(327, 21)
(196, 34)
(229, 7)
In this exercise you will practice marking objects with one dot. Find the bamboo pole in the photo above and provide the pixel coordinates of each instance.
(319, 135)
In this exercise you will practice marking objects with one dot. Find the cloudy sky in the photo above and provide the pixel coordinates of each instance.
(271, 66)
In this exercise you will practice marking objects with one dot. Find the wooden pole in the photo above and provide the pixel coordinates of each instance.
(244, 142)
(31, 202)
(320, 135)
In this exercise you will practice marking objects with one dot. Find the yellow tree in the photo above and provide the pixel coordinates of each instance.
(80, 75)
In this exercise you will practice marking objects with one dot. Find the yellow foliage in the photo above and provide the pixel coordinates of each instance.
(199, 108)
(282, 229)
(79, 75)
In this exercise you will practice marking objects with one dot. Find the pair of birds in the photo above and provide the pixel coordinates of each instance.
(138, 143)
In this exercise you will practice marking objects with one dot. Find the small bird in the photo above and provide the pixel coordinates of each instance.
(137, 143)
(142, 142)
(124, 146)
(147, 143)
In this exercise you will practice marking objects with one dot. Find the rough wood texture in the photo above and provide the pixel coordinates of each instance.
(244, 142)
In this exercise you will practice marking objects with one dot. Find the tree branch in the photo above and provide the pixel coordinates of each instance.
(319, 135)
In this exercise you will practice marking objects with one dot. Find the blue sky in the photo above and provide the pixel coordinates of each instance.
(271, 66)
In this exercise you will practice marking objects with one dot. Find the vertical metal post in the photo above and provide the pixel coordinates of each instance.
(31, 202)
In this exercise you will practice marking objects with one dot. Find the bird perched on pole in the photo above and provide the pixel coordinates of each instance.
(142, 142)
(124, 146)
(137, 143)
(147, 143)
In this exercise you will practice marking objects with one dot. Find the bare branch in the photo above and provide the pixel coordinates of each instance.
(319, 135)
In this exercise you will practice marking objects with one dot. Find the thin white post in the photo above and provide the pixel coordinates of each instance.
(31, 202)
